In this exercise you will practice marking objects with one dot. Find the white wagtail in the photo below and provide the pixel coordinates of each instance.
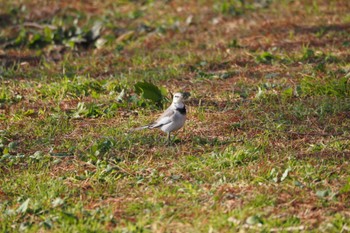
(172, 119)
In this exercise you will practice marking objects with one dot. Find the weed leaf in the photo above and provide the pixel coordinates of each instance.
(149, 91)
(24, 206)
(253, 220)
(285, 174)
(322, 193)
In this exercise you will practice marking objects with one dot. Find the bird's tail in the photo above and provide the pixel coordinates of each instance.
(139, 128)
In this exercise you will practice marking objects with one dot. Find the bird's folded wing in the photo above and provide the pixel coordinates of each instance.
(169, 112)
(166, 118)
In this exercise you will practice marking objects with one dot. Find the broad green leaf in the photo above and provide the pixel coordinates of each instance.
(57, 202)
(80, 111)
(121, 96)
(37, 155)
(253, 220)
(285, 174)
(99, 43)
(287, 93)
(36, 40)
(47, 224)
(48, 34)
(96, 30)
(29, 112)
(12, 146)
(24, 206)
(346, 187)
(163, 91)
(149, 91)
(298, 184)
(323, 193)
(260, 93)
(21, 38)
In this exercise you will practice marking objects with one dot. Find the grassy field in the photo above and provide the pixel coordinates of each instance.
(266, 146)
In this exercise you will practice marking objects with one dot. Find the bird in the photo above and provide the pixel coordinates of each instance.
(173, 118)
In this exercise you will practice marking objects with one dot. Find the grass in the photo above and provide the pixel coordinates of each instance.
(265, 147)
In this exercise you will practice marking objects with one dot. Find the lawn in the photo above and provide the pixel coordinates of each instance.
(266, 145)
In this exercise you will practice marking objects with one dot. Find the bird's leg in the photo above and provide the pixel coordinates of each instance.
(168, 136)
(168, 142)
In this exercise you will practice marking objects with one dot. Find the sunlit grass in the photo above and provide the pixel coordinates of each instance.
(266, 143)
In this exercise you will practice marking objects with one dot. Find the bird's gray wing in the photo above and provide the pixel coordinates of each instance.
(164, 119)
(167, 113)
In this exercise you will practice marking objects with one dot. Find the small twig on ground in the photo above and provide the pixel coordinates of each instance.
(39, 26)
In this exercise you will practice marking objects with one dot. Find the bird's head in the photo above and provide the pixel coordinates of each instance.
(178, 97)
